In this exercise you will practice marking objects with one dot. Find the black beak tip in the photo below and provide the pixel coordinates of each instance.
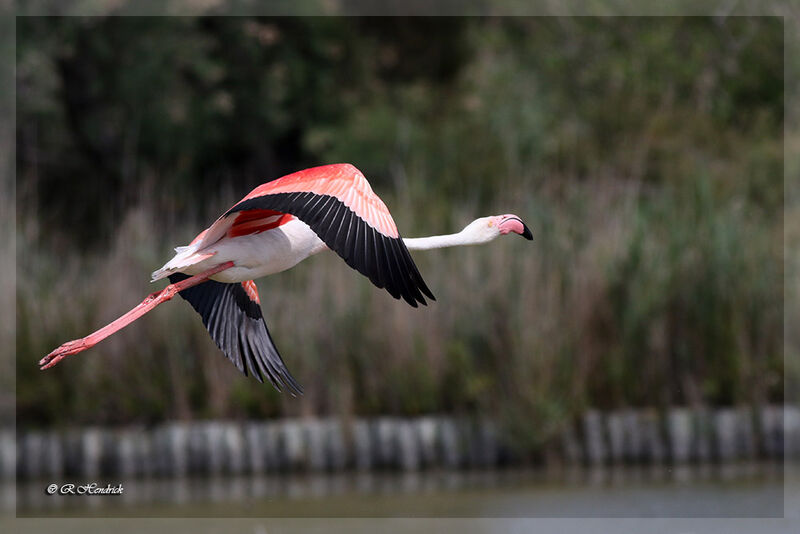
(527, 233)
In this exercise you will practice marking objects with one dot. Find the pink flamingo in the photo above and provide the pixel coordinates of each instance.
(276, 226)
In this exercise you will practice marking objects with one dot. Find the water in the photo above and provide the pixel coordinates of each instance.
(732, 490)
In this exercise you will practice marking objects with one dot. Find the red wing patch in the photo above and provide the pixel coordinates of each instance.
(251, 290)
(255, 221)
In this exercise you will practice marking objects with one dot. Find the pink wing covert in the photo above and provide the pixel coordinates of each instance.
(342, 181)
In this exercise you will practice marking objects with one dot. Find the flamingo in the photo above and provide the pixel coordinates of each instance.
(276, 226)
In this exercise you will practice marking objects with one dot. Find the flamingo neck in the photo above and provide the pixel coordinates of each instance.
(443, 241)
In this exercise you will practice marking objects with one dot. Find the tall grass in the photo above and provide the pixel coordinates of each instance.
(622, 299)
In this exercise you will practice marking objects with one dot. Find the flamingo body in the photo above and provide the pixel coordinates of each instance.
(273, 228)
(299, 215)
(254, 255)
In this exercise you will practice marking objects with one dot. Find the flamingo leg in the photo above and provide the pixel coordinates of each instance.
(149, 303)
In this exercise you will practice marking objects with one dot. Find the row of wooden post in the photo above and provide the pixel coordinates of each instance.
(177, 449)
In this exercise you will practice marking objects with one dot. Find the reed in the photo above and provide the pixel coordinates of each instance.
(667, 300)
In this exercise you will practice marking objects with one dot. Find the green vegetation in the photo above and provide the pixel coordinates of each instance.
(645, 154)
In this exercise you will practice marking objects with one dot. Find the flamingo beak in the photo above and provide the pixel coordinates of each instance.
(512, 223)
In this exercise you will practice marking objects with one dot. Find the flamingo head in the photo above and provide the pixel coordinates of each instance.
(488, 228)
(508, 223)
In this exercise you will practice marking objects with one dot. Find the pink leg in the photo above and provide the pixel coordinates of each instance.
(148, 304)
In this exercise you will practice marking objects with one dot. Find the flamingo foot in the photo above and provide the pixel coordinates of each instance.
(70, 347)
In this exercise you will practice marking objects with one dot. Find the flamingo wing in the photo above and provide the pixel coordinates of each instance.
(232, 315)
(338, 204)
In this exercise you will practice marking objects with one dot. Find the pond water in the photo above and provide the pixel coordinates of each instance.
(736, 490)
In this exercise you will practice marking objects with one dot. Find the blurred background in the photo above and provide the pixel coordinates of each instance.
(646, 155)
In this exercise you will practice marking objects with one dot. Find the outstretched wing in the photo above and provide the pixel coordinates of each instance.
(338, 204)
(232, 315)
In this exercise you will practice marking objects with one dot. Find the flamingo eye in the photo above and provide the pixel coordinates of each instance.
(491, 223)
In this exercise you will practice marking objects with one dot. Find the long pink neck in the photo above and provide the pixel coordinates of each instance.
(442, 241)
